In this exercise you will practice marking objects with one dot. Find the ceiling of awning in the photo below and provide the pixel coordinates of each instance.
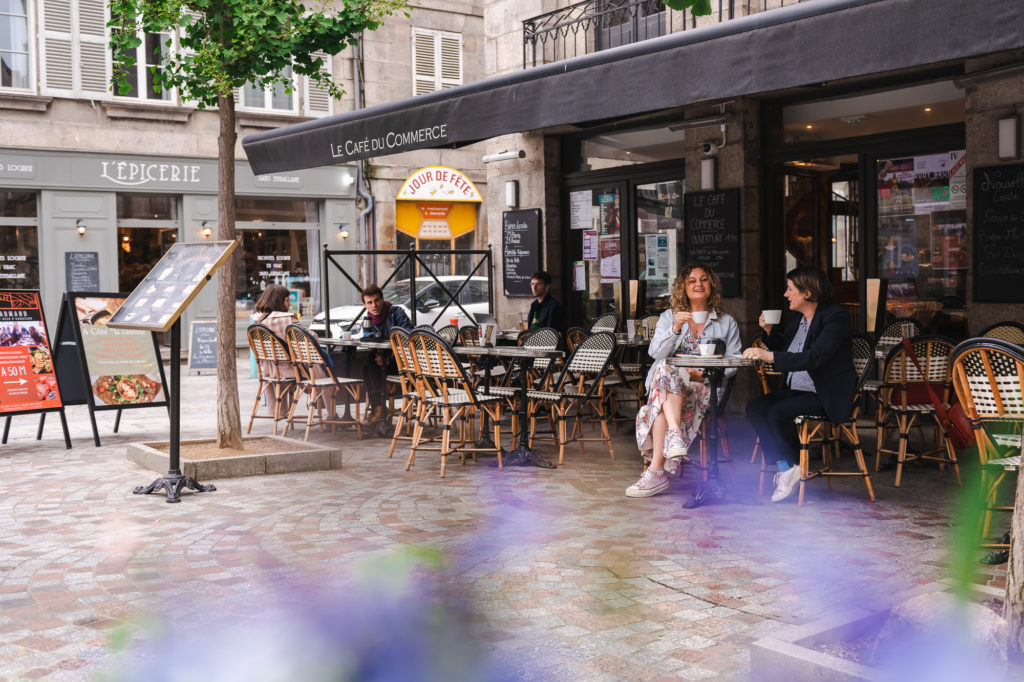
(808, 43)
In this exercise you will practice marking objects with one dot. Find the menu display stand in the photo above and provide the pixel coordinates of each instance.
(28, 382)
(156, 305)
(105, 369)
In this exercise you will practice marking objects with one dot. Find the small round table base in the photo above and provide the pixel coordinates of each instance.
(524, 456)
(708, 492)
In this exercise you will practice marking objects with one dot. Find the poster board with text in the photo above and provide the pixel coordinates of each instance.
(28, 382)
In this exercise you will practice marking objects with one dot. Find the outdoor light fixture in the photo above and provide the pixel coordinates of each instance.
(207, 230)
(342, 231)
(512, 194)
(1009, 138)
(504, 156)
(80, 226)
(708, 173)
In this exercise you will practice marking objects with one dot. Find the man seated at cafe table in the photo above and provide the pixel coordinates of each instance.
(678, 397)
(545, 311)
(383, 317)
(815, 355)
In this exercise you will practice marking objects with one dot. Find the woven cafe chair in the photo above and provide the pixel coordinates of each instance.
(900, 378)
(817, 427)
(573, 337)
(270, 353)
(450, 333)
(315, 377)
(406, 376)
(1006, 331)
(445, 389)
(892, 334)
(648, 325)
(579, 394)
(469, 335)
(608, 322)
(988, 377)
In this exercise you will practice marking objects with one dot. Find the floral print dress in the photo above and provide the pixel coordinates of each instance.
(669, 379)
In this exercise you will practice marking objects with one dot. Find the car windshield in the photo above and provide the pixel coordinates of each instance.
(397, 292)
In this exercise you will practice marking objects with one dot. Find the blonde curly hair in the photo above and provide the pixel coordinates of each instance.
(680, 302)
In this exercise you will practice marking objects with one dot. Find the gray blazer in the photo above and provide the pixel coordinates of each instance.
(665, 342)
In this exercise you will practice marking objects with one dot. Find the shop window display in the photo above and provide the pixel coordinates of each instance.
(19, 243)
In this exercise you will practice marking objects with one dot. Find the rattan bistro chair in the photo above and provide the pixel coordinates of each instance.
(988, 376)
(450, 333)
(445, 389)
(271, 353)
(574, 336)
(817, 427)
(608, 322)
(892, 334)
(649, 325)
(1006, 331)
(406, 376)
(902, 397)
(315, 377)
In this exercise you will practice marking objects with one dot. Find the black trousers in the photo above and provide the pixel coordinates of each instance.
(363, 365)
(772, 417)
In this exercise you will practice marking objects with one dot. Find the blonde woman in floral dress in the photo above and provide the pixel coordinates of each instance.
(677, 397)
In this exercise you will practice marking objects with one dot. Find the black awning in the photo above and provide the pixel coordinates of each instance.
(807, 43)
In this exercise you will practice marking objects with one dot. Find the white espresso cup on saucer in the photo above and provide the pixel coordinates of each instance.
(699, 316)
(345, 335)
(772, 316)
(707, 349)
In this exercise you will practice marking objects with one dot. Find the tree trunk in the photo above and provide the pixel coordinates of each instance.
(1014, 606)
(229, 421)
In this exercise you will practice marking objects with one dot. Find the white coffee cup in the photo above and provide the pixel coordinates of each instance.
(630, 329)
(707, 349)
(346, 334)
(772, 316)
(699, 316)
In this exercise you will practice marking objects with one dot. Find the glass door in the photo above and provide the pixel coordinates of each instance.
(659, 242)
(594, 251)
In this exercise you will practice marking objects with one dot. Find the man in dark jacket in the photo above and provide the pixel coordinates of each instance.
(383, 317)
(545, 311)
(815, 356)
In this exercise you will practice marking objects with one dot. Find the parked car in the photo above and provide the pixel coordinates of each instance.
(430, 299)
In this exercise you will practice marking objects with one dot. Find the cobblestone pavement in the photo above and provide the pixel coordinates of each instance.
(569, 578)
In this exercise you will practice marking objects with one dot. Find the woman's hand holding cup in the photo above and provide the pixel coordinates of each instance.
(681, 318)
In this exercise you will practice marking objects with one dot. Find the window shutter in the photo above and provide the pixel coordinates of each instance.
(56, 61)
(451, 60)
(317, 100)
(424, 62)
(93, 50)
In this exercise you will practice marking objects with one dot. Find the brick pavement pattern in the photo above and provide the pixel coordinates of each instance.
(568, 578)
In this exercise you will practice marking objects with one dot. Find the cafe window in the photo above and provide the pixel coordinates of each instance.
(147, 207)
(19, 240)
(14, 42)
(272, 256)
(276, 210)
(139, 248)
(629, 148)
(922, 237)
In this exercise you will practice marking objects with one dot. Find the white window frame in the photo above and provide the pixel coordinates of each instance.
(268, 101)
(308, 85)
(76, 39)
(436, 78)
(142, 71)
(30, 16)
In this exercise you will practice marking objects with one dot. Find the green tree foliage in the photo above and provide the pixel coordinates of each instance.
(698, 8)
(222, 45)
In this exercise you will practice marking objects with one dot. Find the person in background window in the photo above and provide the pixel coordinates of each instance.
(816, 357)
(545, 311)
(383, 316)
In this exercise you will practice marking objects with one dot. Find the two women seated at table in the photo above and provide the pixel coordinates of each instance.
(815, 356)
(678, 396)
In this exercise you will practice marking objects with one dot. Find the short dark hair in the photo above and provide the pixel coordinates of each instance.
(542, 276)
(273, 299)
(812, 280)
(371, 291)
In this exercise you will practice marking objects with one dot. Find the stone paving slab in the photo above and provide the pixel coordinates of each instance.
(564, 577)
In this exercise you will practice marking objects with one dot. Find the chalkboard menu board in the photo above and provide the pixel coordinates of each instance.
(521, 255)
(998, 194)
(712, 234)
(82, 270)
(202, 347)
(174, 281)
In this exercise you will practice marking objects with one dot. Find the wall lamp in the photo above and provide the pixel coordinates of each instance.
(504, 156)
(80, 226)
(1009, 138)
(342, 231)
(207, 230)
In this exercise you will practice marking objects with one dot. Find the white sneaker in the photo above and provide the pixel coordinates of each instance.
(674, 446)
(785, 483)
(650, 483)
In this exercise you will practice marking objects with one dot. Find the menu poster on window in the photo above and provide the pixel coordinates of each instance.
(898, 237)
(590, 245)
(931, 182)
(579, 275)
(122, 365)
(611, 261)
(580, 209)
(27, 380)
(895, 186)
(948, 246)
(656, 249)
(171, 285)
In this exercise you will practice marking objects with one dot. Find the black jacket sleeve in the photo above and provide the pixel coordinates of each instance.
(822, 347)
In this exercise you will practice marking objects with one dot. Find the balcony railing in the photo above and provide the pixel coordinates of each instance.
(595, 25)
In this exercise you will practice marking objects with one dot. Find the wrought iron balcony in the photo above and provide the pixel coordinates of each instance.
(595, 25)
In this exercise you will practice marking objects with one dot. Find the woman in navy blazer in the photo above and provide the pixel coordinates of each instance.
(815, 356)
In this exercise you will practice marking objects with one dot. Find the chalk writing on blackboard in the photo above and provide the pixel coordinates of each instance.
(998, 197)
(712, 234)
(521, 251)
(202, 348)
